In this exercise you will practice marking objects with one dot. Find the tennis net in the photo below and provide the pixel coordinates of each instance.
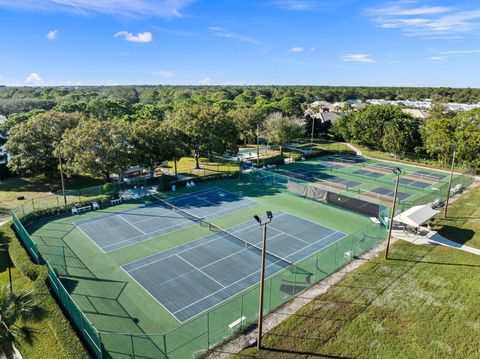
(180, 211)
(214, 228)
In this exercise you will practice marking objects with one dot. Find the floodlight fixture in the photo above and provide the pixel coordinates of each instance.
(269, 215)
(397, 171)
(257, 218)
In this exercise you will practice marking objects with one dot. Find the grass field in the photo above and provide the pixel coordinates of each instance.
(422, 303)
(34, 188)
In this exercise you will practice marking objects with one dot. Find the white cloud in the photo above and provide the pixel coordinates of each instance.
(296, 49)
(163, 73)
(221, 32)
(205, 81)
(126, 8)
(358, 58)
(33, 79)
(427, 21)
(140, 37)
(295, 5)
(52, 35)
(460, 52)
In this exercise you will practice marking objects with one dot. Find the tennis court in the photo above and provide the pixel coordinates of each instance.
(194, 277)
(389, 193)
(367, 173)
(414, 183)
(115, 230)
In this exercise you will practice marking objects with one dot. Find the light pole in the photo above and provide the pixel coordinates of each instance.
(313, 129)
(61, 178)
(263, 224)
(449, 186)
(258, 144)
(397, 171)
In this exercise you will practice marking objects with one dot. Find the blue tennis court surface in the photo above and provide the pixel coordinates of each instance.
(190, 279)
(437, 176)
(115, 230)
(414, 183)
(371, 174)
(389, 193)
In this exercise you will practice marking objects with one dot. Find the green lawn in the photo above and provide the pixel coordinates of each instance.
(46, 344)
(34, 188)
(421, 303)
(463, 221)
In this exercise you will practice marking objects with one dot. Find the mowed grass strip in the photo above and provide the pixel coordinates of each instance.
(463, 220)
(421, 303)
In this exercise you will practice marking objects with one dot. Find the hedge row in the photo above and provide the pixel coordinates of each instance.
(66, 335)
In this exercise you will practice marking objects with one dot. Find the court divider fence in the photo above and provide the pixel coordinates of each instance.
(232, 316)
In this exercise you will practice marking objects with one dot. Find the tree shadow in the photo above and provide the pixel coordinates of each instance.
(306, 353)
(460, 235)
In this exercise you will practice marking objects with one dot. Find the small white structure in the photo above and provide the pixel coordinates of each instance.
(416, 216)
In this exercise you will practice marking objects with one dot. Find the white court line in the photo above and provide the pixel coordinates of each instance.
(201, 271)
(131, 224)
(322, 239)
(148, 235)
(334, 232)
(86, 235)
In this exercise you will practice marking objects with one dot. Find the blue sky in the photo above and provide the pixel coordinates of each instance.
(291, 42)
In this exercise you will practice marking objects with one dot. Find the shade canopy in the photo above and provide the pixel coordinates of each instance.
(416, 215)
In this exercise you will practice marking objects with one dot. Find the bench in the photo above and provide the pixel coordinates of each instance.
(77, 210)
(232, 326)
(116, 201)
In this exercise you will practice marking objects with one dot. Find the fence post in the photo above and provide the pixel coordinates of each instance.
(58, 204)
(165, 345)
(241, 313)
(270, 296)
(208, 330)
(133, 345)
(23, 211)
(335, 258)
(80, 195)
(33, 205)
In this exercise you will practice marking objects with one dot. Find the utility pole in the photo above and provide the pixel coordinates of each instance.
(258, 144)
(61, 178)
(397, 173)
(262, 275)
(449, 186)
(313, 129)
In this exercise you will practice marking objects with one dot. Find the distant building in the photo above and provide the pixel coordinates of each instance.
(326, 116)
(416, 113)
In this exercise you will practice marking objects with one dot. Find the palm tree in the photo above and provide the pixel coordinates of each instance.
(17, 311)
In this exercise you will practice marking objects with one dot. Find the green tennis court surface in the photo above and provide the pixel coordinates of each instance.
(186, 284)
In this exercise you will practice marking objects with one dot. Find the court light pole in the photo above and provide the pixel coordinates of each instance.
(263, 224)
(61, 178)
(313, 129)
(258, 144)
(397, 172)
(449, 186)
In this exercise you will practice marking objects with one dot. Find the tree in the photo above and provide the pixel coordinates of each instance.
(280, 129)
(208, 130)
(108, 109)
(400, 135)
(366, 126)
(30, 144)
(17, 312)
(439, 137)
(154, 142)
(97, 148)
(247, 119)
(467, 136)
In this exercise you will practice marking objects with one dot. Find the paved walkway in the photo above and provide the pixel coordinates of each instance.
(432, 237)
